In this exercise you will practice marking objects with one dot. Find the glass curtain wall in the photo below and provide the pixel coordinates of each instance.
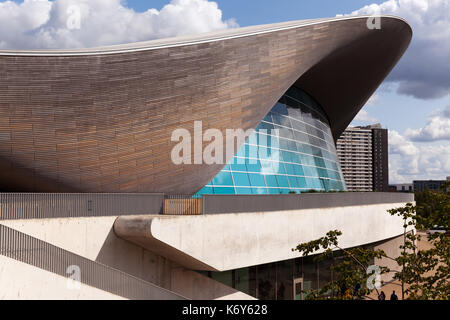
(291, 150)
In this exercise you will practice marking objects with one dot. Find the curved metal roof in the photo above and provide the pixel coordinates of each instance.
(101, 119)
(191, 39)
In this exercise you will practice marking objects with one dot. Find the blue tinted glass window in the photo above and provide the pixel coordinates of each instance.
(277, 118)
(335, 167)
(238, 167)
(304, 148)
(293, 182)
(254, 166)
(298, 125)
(319, 162)
(266, 167)
(322, 173)
(259, 191)
(223, 179)
(290, 168)
(266, 126)
(271, 181)
(291, 102)
(252, 152)
(256, 180)
(273, 190)
(243, 190)
(278, 167)
(314, 183)
(223, 190)
(316, 151)
(280, 120)
(310, 171)
(284, 144)
(325, 184)
(241, 152)
(301, 182)
(263, 153)
(292, 145)
(241, 179)
(206, 190)
(286, 133)
(280, 108)
(300, 136)
(282, 181)
(268, 118)
(306, 159)
(286, 156)
(273, 140)
(299, 170)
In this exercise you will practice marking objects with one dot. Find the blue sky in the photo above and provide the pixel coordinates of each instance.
(413, 102)
(390, 106)
(252, 12)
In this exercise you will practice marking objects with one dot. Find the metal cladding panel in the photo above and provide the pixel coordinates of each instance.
(102, 122)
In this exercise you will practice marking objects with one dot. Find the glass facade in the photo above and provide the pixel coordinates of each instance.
(276, 280)
(292, 150)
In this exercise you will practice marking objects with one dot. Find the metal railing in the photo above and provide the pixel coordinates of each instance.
(43, 255)
(61, 205)
(215, 204)
(183, 205)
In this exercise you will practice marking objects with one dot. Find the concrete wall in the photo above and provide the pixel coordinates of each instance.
(392, 249)
(231, 241)
(257, 203)
(19, 280)
(93, 238)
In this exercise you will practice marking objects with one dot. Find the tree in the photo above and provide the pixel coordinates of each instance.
(424, 273)
(351, 270)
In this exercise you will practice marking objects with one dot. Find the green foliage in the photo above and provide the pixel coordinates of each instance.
(350, 269)
(425, 271)
(432, 205)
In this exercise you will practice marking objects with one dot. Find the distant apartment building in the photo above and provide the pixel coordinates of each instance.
(422, 185)
(363, 154)
(402, 187)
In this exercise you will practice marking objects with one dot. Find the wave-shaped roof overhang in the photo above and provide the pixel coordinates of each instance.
(101, 119)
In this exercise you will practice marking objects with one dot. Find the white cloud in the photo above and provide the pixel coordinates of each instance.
(363, 116)
(373, 100)
(424, 71)
(437, 128)
(409, 161)
(46, 24)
